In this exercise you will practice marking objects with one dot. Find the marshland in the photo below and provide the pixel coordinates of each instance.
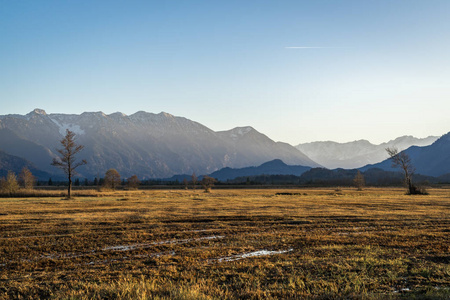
(305, 243)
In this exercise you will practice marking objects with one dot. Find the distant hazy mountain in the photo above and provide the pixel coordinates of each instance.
(274, 167)
(432, 160)
(16, 164)
(249, 147)
(358, 153)
(148, 145)
(34, 153)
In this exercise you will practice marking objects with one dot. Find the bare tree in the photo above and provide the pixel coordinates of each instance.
(359, 181)
(207, 183)
(27, 179)
(67, 161)
(112, 179)
(194, 180)
(403, 161)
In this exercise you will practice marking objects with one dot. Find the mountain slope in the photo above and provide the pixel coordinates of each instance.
(358, 153)
(39, 156)
(432, 160)
(16, 164)
(148, 145)
(274, 167)
(249, 147)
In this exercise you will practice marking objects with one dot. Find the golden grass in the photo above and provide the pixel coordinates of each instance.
(228, 244)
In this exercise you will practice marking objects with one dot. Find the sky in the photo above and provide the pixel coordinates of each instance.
(297, 71)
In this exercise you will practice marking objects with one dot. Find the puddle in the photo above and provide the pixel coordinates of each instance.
(402, 290)
(250, 254)
(148, 245)
(119, 248)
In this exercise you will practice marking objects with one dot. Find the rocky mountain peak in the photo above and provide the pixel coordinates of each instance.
(166, 115)
(117, 114)
(98, 114)
(238, 132)
(37, 111)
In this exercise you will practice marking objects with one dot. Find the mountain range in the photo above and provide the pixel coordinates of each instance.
(359, 153)
(161, 145)
(431, 163)
(144, 144)
(432, 160)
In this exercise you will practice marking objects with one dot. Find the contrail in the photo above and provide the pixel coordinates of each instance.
(311, 47)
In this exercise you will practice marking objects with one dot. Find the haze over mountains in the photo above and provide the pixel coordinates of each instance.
(358, 153)
(13, 163)
(431, 164)
(148, 145)
(161, 145)
(432, 160)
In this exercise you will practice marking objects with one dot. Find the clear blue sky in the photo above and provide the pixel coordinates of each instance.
(363, 69)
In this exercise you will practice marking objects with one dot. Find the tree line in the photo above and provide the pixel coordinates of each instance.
(68, 162)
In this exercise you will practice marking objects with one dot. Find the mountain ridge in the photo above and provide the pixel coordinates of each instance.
(146, 144)
(358, 153)
(273, 167)
(431, 160)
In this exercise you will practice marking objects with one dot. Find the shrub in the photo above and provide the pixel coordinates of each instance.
(417, 190)
(10, 184)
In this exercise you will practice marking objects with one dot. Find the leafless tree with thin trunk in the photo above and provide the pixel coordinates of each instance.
(194, 180)
(403, 161)
(67, 160)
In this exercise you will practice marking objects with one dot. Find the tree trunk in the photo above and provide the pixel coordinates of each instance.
(70, 186)
(411, 187)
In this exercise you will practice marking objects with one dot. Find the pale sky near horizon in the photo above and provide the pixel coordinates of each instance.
(297, 71)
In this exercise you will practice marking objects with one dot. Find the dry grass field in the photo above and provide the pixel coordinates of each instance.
(228, 244)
